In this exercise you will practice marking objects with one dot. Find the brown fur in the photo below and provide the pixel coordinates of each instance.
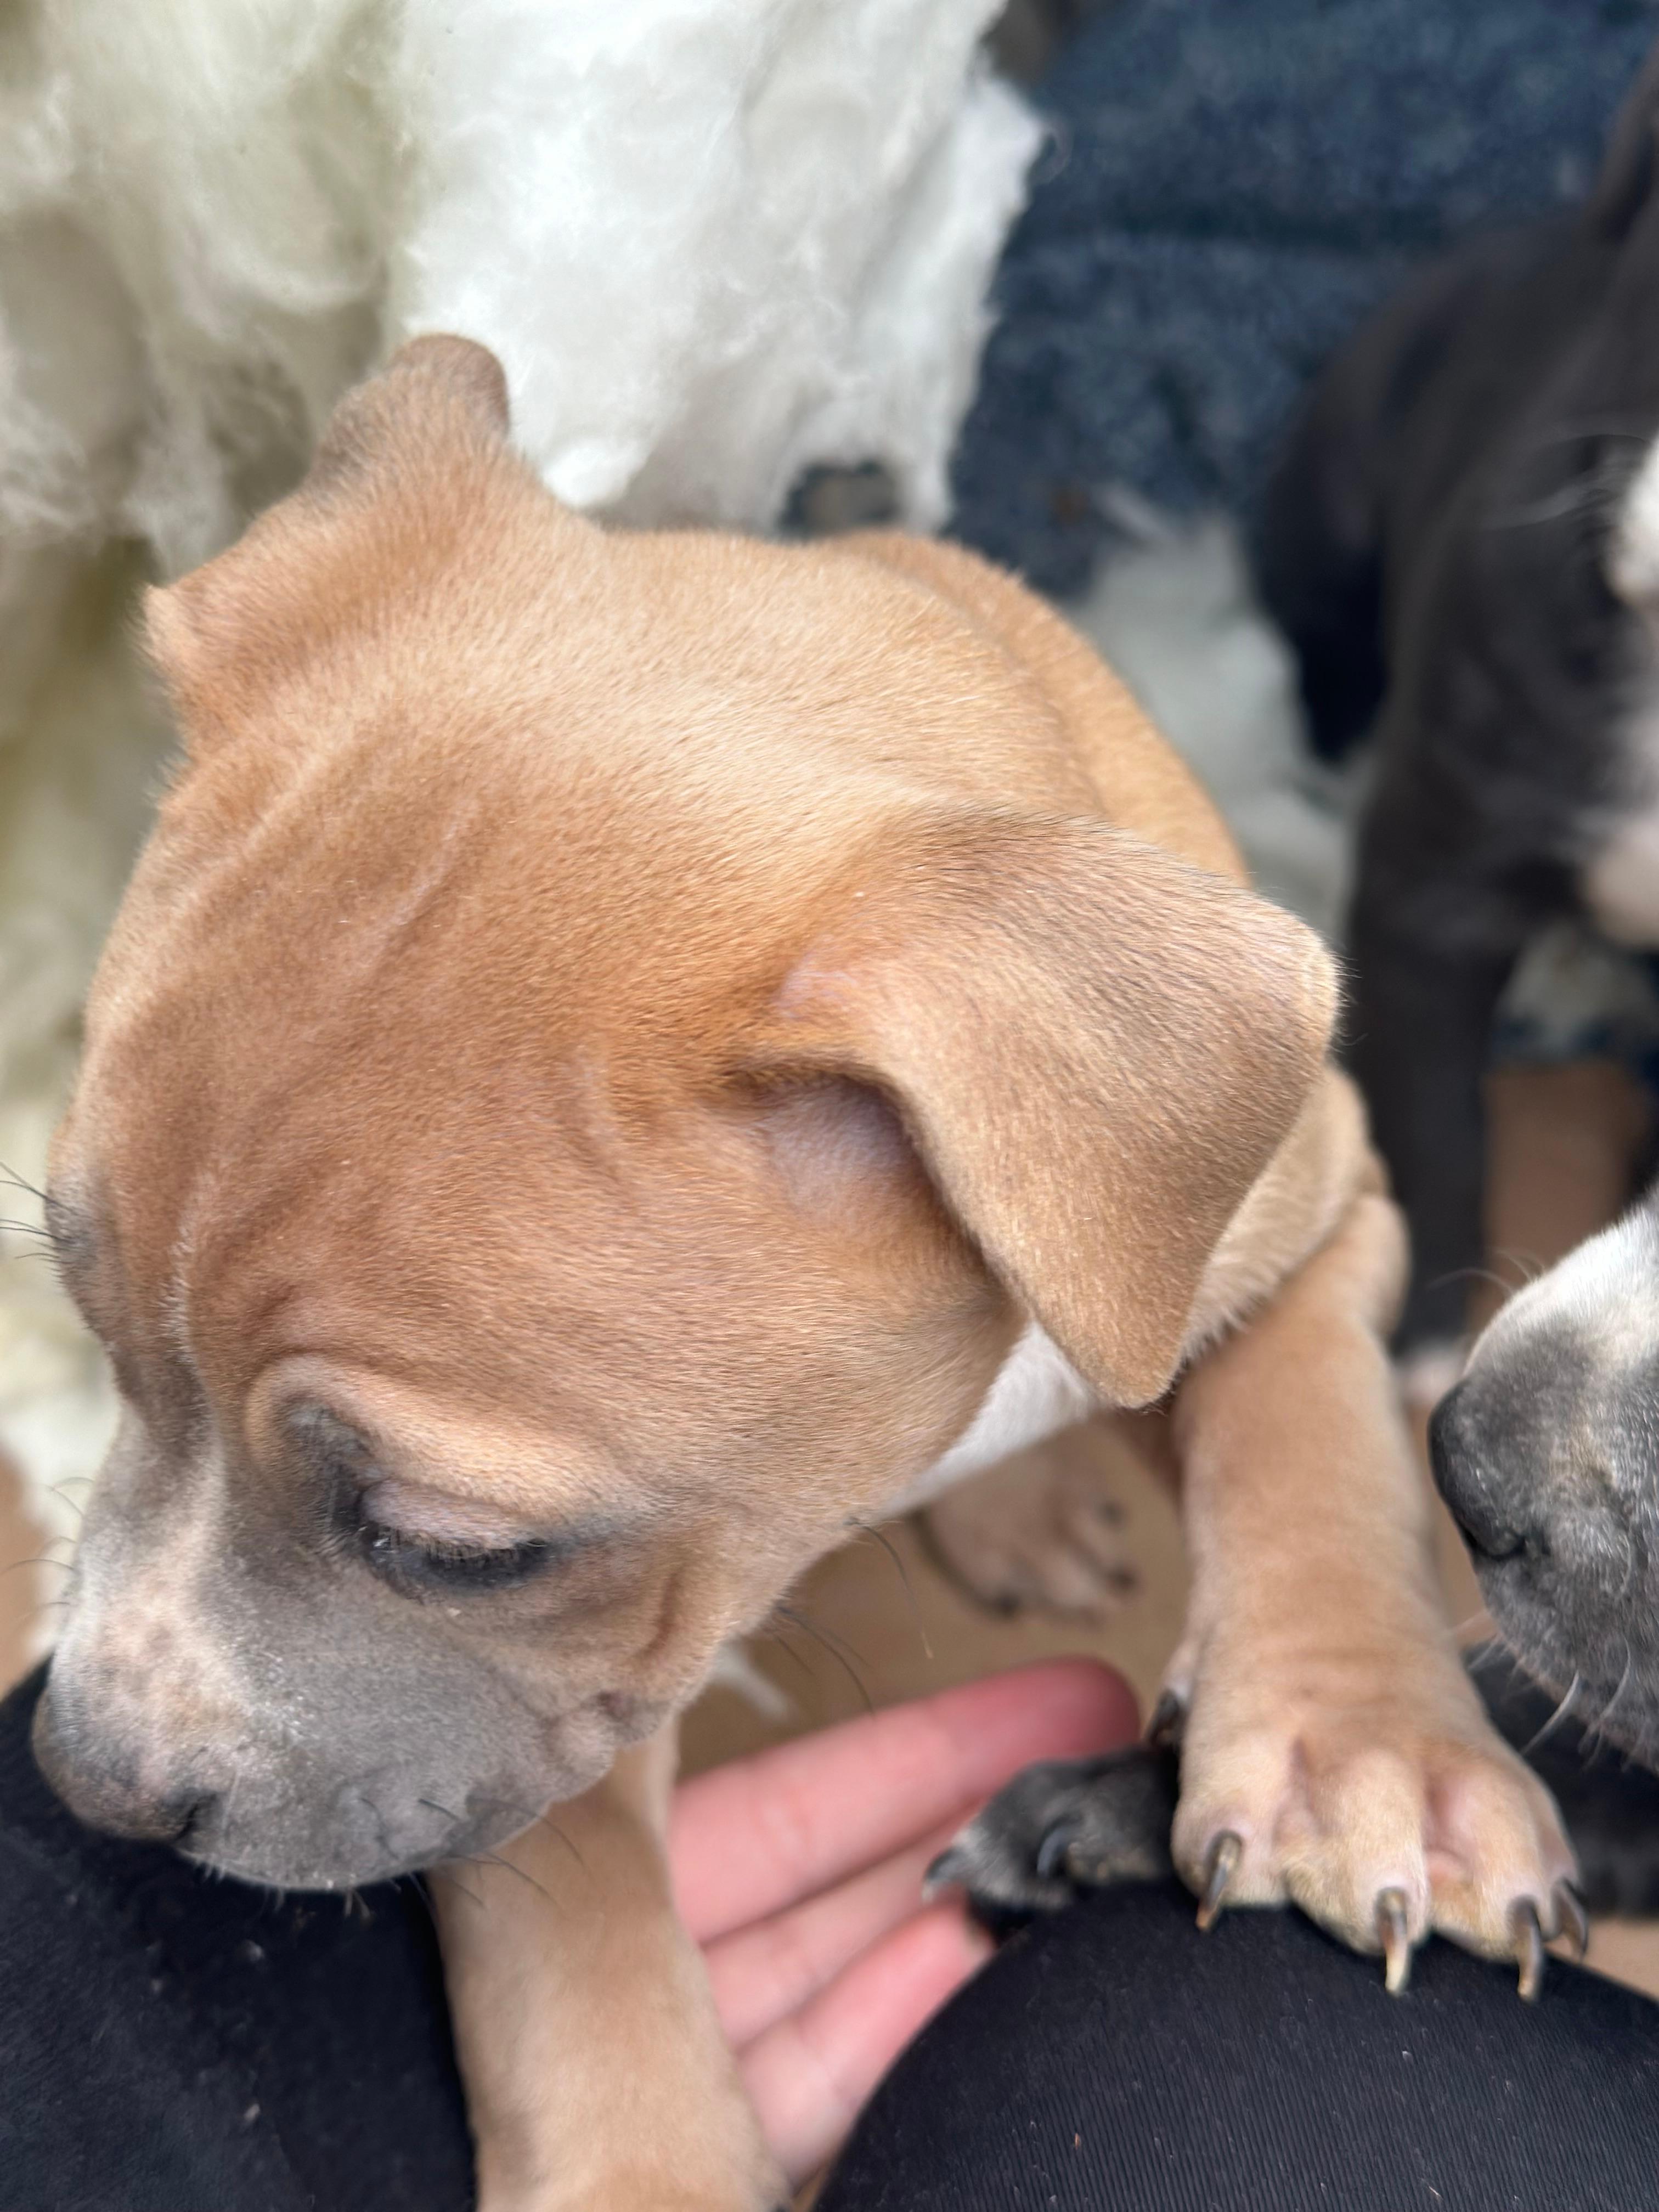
(625, 1031)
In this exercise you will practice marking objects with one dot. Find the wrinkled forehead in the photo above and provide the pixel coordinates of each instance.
(508, 1231)
(379, 1211)
(379, 1037)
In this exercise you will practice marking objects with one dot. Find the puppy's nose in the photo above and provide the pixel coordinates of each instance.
(96, 1790)
(1463, 1470)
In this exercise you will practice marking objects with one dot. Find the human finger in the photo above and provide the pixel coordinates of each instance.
(748, 1838)
(809, 2075)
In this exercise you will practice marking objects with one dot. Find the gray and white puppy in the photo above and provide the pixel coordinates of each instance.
(1547, 1453)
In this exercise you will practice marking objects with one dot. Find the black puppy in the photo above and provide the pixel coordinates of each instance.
(1464, 535)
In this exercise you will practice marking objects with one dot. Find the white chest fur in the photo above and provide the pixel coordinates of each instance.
(1036, 1392)
(1620, 881)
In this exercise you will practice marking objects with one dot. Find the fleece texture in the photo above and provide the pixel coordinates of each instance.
(170, 2042)
(1233, 185)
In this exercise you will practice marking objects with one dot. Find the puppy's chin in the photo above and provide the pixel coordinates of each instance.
(346, 1861)
(385, 1826)
(1608, 1684)
(287, 1819)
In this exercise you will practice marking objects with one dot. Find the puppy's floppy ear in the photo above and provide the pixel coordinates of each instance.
(1626, 175)
(402, 442)
(1096, 1049)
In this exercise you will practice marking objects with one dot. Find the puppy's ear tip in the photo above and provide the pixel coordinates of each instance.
(1144, 1365)
(466, 370)
(1308, 981)
(437, 396)
(1321, 982)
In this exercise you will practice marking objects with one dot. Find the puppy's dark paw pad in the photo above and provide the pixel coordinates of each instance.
(1065, 1826)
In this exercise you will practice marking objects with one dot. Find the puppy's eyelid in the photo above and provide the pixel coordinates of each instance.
(322, 1431)
(404, 1545)
(451, 1570)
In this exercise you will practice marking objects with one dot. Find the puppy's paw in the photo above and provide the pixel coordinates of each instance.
(1064, 1826)
(1041, 1529)
(1384, 1820)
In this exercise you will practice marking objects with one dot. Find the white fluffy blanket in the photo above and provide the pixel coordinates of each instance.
(713, 240)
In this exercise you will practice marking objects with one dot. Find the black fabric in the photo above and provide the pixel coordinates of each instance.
(1113, 2059)
(171, 2043)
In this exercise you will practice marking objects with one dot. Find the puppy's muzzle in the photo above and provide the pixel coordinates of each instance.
(111, 1794)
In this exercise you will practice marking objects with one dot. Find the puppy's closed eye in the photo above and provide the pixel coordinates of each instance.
(421, 1540)
(415, 1563)
(416, 1537)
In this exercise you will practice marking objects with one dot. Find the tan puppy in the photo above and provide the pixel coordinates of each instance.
(625, 1053)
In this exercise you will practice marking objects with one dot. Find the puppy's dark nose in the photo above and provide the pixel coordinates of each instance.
(1464, 1472)
(96, 1790)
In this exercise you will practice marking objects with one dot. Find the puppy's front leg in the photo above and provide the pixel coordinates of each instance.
(1334, 1751)
(1433, 941)
(597, 2076)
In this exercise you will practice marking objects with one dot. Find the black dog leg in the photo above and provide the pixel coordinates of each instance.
(1432, 947)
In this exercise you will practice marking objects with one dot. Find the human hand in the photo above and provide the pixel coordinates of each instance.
(800, 1872)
